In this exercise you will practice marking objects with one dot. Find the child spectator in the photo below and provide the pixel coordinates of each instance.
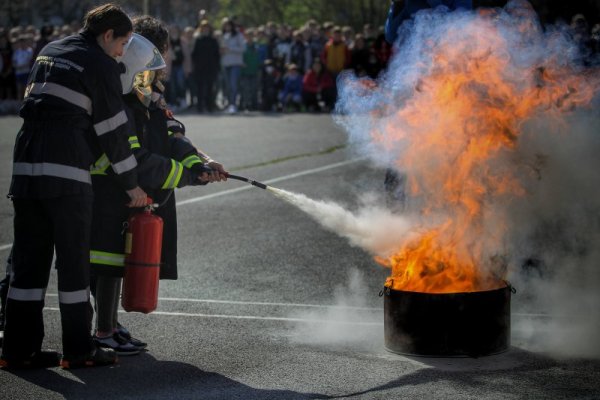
(262, 44)
(292, 88)
(316, 42)
(21, 60)
(7, 73)
(317, 88)
(249, 75)
(300, 52)
(271, 82)
(283, 48)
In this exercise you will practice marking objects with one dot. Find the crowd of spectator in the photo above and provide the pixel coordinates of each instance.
(271, 67)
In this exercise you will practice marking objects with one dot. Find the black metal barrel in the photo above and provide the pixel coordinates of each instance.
(469, 324)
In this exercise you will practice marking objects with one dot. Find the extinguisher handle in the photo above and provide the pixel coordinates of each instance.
(150, 205)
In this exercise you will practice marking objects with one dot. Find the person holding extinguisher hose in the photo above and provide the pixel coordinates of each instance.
(166, 160)
(72, 111)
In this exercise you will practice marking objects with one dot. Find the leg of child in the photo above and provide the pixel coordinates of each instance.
(107, 302)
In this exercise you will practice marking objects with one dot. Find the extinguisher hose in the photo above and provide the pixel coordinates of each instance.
(162, 203)
(236, 177)
(250, 181)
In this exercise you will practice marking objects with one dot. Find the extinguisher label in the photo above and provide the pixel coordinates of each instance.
(128, 240)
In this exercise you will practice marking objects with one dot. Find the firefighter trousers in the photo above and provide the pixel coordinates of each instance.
(42, 227)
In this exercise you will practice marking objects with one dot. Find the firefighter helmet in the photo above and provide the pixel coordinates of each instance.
(141, 55)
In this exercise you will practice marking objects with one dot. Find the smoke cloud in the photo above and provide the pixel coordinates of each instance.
(494, 122)
(348, 322)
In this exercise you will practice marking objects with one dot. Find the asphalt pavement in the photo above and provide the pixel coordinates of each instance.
(268, 304)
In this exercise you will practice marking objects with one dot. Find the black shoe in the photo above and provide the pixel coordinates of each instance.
(38, 360)
(124, 332)
(118, 344)
(98, 357)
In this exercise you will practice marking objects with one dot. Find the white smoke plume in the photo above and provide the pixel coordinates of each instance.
(536, 196)
(348, 322)
(374, 229)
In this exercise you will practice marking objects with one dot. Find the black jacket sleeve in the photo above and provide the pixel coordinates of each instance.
(110, 125)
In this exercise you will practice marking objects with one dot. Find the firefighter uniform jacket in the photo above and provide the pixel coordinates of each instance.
(165, 162)
(73, 112)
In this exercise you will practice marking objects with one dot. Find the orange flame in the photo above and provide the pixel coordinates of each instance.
(458, 129)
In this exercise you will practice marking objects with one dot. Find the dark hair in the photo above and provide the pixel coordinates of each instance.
(154, 30)
(105, 17)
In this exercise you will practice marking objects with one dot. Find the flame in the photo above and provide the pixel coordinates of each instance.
(458, 127)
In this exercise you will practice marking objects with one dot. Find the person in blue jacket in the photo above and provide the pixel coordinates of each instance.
(401, 10)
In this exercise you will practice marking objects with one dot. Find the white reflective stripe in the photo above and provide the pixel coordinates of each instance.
(51, 169)
(111, 123)
(26, 294)
(171, 123)
(78, 296)
(126, 165)
(54, 89)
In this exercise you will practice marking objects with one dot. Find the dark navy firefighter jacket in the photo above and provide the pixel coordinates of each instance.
(165, 162)
(73, 112)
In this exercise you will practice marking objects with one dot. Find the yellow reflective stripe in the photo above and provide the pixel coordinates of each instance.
(105, 258)
(170, 133)
(191, 160)
(167, 184)
(134, 143)
(101, 165)
(179, 173)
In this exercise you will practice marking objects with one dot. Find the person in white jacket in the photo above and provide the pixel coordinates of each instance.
(233, 46)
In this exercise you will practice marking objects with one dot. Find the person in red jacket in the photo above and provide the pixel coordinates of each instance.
(318, 86)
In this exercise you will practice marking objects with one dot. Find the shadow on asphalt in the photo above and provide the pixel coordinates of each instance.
(472, 373)
(145, 377)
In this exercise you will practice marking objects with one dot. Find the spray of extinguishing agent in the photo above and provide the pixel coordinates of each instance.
(144, 242)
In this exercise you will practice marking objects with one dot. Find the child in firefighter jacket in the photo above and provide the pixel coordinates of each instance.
(166, 160)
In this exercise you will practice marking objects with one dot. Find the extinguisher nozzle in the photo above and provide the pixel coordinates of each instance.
(259, 185)
(244, 179)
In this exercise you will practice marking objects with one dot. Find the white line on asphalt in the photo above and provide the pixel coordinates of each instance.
(231, 191)
(270, 181)
(260, 303)
(257, 303)
(251, 317)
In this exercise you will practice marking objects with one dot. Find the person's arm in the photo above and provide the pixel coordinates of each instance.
(109, 121)
(183, 150)
(156, 171)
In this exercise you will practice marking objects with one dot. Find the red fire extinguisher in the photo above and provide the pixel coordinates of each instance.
(143, 242)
